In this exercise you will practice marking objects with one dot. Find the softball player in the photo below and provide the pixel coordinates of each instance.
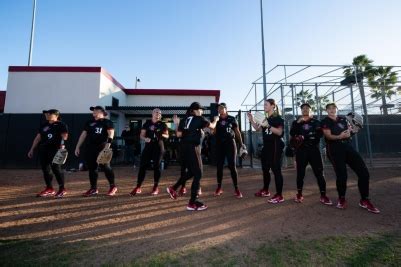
(152, 132)
(189, 130)
(51, 137)
(272, 150)
(307, 132)
(226, 131)
(337, 132)
(98, 133)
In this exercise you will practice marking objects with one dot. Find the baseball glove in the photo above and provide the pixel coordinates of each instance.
(60, 157)
(261, 119)
(355, 120)
(243, 152)
(105, 156)
(296, 141)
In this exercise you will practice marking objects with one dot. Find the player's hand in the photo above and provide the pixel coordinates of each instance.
(346, 134)
(30, 154)
(147, 140)
(216, 118)
(301, 119)
(250, 116)
(176, 120)
(77, 151)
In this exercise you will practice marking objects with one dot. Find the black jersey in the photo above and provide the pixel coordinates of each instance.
(336, 126)
(276, 122)
(311, 130)
(225, 128)
(154, 130)
(97, 131)
(191, 128)
(50, 133)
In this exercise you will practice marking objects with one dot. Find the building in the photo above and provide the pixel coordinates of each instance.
(73, 90)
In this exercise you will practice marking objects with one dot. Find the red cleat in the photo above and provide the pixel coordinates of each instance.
(155, 191)
(262, 193)
(276, 199)
(182, 191)
(326, 201)
(47, 192)
(136, 190)
(237, 193)
(218, 192)
(342, 203)
(112, 191)
(366, 204)
(172, 192)
(91, 192)
(196, 206)
(61, 193)
(299, 198)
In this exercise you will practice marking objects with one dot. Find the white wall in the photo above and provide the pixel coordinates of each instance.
(166, 100)
(70, 92)
(108, 90)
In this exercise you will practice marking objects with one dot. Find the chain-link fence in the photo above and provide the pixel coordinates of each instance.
(376, 97)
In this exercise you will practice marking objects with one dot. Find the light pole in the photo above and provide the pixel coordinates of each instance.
(32, 33)
(263, 51)
(136, 82)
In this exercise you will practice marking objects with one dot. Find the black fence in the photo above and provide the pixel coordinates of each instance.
(17, 132)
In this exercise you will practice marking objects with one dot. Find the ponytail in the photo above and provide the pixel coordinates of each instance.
(272, 102)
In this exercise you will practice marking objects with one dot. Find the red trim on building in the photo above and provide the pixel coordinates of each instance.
(175, 92)
(2, 100)
(111, 78)
(52, 69)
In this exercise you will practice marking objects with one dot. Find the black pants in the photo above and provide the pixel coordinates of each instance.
(91, 154)
(271, 159)
(192, 161)
(152, 151)
(310, 154)
(46, 155)
(226, 149)
(342, 154)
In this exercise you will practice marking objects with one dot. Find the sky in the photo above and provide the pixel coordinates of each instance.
(197, 44)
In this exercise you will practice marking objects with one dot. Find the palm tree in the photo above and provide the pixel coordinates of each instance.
(382, 81)
(356, 73)
(305, 96)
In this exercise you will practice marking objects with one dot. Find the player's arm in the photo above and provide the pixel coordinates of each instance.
(35, 143)
(81, 140)
(212, 125)
(329, 136)
(276, 130)
(238, 136)
(165, 133)
(256, 126)
(110, 136)
(143, 137)
(178, 131)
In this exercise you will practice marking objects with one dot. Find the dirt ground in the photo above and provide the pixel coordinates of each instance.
(126, 227)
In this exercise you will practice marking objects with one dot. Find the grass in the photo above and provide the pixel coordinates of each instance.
(372, 250)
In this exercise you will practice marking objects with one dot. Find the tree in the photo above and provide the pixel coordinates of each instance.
(305, 96)
(382, 81)
(361, 69)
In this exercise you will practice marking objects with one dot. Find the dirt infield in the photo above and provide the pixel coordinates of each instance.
(118, 230)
